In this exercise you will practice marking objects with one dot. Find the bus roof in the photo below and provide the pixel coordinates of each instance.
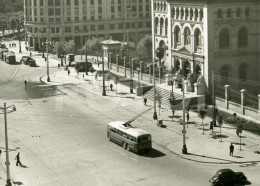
(129, 129)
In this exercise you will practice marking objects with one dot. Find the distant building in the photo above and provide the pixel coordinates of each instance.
(210, 36)
(82, 19)
(11, 5)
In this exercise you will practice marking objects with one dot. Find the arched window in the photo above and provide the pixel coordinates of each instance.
(242, 38)
(247, 12)
(178, 13)
(229, 13)
(224, 73)
(219, 14)
(166, 26)
(224, 39)
(156, 24)
(238, 12)
(187, 40)
(173, 12)
(182, 13)
(177, 36)
(161, 25)
(197, 40)
(243, 71)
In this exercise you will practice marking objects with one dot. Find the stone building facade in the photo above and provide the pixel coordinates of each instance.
(82, 19)
(210, 37)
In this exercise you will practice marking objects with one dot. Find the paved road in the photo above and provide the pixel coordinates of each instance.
(60, 132)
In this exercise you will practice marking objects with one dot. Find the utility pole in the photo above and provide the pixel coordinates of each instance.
(103, 75)
(213, 99)
(154, 92)
(86, 59)
(184, 149)
(8, 181)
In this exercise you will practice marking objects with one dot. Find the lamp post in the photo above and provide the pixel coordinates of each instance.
(138, 71)
(47, 58)
(7, 163)
(103, 76)
(42, 44)
(184, 148)
(86, 59)
(154, 92)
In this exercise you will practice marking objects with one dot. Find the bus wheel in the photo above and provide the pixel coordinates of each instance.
(128, 147)
(124, 145)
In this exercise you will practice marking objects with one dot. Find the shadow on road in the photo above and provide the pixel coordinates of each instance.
(18, 183)
(153, 153)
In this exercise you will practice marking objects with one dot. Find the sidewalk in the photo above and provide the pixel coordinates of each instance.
(205, 148)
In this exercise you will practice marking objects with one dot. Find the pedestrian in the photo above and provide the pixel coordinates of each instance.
(18, 159)
(173, 114)
(68, 72)
(0, 151)
(187, 116)
(58, 65)
(231, 149)
(25, 82)
(111, 86)
(83, 76)
(211, 126)
(145, 101)
(237, 131)
(31, 54)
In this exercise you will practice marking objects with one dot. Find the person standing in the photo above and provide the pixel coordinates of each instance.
(68, 72)
(211, 126)
(145, 101)
(187, 116)
(111, 86)
(231, 149)
(18, 159)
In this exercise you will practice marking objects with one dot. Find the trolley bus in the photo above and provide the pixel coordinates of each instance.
(130, 137)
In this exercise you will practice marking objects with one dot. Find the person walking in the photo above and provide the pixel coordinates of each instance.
(68, 72)
(18, 159)
(231, 149)
(111, 86)
(145, 101)
(211, 126)
(25, 82)
(187, 116)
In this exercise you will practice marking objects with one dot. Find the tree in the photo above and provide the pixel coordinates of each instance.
(94, 44)
(144, 48)
(69, 46)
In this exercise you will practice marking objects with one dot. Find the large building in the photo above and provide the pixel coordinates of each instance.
(82, 19)
(8, 6)
(220, 37)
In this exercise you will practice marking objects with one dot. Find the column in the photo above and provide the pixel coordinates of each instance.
(199, 14)
(184, 13)
(192, 67)
(181, 63)
(243, 101)
(132, 68)
(227, 95)
(193, 17)
(110, 60)
(189, 13)
(117, 62)
(124, 67)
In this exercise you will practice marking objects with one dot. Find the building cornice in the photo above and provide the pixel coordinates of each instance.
(212, 1)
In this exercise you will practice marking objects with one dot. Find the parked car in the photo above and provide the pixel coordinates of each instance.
(25, 60)
(224, 177)
(32, 63)
(84, 67)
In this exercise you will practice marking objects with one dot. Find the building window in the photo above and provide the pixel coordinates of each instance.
(77, 18)
(50, 2)
(140, 24)
(224, 73)
(84, 10)
(100, 10)
(92, 27)
(243, 72)
(76, 2)
(247, 12)
(120, 25)
(111, 26)
(112, 9)
(68, 2)
(57, 2)
(238, 13)
(67, 29)
(187, 36)
(161, 25)
(57, 29)
(92, 2)
(197, 40)
(148, 24)
(224, 39)
(52, 29)
(219, 14)
(177, 36)
(41, 2)
(51, 11)
(229, 13)
(242, 38)
(57, 12)
(68, 11)
(100, 2)
(68, 18)
(127, 25)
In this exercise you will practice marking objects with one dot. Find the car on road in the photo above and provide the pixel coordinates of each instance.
(224, 177)
(32, 63)
(27, 60)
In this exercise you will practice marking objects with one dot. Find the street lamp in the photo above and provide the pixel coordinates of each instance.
(184, 149)
(42, 44)
(154, 92)
(47, 58)
(19, 24)
(8, 181)
(103, 75)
